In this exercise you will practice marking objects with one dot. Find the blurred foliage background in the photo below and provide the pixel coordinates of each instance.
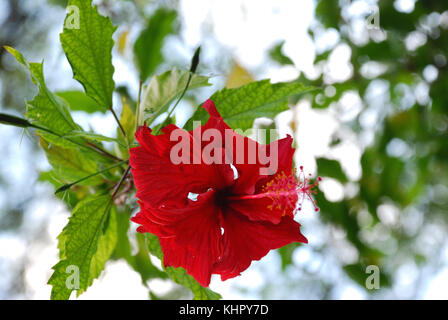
(387, 99)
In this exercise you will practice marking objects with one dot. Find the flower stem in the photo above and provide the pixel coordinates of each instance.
(118, 122)
(193, 67)
(165, 122)
(137, 108)
(119, 184)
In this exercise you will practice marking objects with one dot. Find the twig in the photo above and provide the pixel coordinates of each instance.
(102, 151)
(119, 184)
(68, 186)
(118, 121)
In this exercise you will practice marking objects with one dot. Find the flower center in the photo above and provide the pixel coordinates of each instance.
(221, 197)
(286, 191)
(282, 191)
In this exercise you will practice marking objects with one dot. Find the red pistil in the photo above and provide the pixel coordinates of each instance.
(307, 189)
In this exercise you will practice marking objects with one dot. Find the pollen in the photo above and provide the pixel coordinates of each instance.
(282, 190)
(288, 192)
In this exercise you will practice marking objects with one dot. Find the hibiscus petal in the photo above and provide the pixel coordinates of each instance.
(189, 235)
(237, 151)
(245, 241)
(285, 159)
(261, 207)
(215, 120)
(158, 179)
(199, 267)
(277, 198)
(250, 175)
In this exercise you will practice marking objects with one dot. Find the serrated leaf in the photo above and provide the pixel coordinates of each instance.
(241, 106)
(106, 246)
(81, 243)
(331, 168)
(179, 275)
(70, 164)
(163, 89)
(89, 50)
(148, 47)
(79, 101)
(45, 110)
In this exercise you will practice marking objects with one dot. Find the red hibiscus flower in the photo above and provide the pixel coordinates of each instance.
(215, 217)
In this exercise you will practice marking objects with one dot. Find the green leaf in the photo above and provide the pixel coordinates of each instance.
(89, 51)
(106, 246)
(70, 197)
(79, 101)
(331, 168)
(148, 47)
(239, 107)
(104, 171)
(86, 243)
(127, 120)
(277, 55)
(70, 164)
(91, 136)
(141, 261)
(179, 275)
(45, 110)
(163, 89)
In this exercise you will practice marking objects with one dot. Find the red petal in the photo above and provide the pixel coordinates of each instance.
(268, 205)
(285, 154)
(245, 241)
(285, 160)
(260, 207)
(158, 180)
(189, 235)
(199, 267)
(248, 169)
(250, 175)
